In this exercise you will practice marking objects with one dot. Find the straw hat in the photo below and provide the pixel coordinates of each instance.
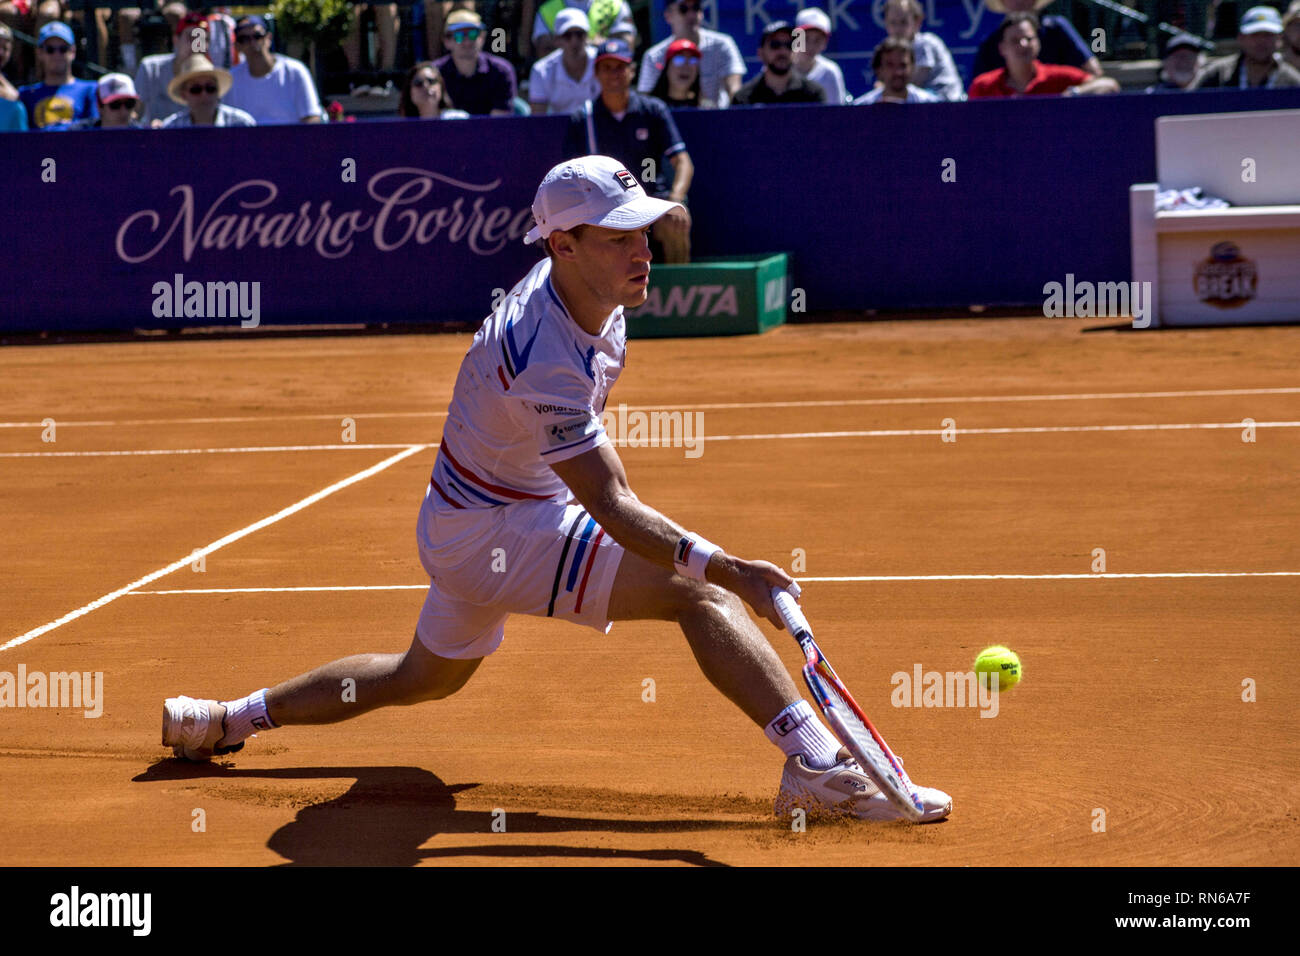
(196, 66)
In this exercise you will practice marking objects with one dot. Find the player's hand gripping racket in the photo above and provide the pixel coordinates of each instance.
(845, 716)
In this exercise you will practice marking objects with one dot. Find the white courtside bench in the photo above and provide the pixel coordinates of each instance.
(1239, 265)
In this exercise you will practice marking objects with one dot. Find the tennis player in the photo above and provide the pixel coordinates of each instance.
(529, 511)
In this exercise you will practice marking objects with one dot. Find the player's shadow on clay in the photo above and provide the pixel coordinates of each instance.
(391, 812)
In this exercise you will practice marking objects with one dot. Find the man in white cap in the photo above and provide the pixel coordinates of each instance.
(562, 81)
(526, 475)
(1259, 65)
(812, 32)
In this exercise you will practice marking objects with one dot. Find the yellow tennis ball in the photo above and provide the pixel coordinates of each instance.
(1001, 661)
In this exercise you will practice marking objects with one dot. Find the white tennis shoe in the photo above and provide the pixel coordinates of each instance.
(191, 730)
(845, 791)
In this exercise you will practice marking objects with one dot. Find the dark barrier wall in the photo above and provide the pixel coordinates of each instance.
(412, 221)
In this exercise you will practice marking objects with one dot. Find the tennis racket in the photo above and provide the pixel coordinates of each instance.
(844, 715)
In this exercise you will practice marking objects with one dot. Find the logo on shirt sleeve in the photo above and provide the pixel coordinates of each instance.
(626, 179)
(570, 431)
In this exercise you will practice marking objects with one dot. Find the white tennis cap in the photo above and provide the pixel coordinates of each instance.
(592, 191)
(811, 18)
(116, 86)
(571, 18)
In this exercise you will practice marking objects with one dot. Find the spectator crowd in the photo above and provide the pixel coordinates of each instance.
(225, 72)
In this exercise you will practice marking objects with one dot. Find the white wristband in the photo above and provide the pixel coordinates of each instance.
(692, 555)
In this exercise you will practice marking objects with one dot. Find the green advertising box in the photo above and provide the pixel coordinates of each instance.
(733, 295)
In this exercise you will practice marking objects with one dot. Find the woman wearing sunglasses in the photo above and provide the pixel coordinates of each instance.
(199, 89)
(679, 83)
(424, 95)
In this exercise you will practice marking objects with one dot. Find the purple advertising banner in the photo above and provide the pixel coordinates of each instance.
(386, 221)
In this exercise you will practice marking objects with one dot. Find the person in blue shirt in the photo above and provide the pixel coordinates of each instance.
(13, 118)
(61, 98)
(639, 132)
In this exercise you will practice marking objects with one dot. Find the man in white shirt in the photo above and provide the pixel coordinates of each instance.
(271, 87)
(812, 32)
(722, 68)
(934, 69)
(562, 81)
(893, 63)
(525, 470)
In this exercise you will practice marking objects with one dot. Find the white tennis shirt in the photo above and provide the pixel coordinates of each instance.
(530, 392)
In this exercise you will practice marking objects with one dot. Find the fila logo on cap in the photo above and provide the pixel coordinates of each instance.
(626, 179)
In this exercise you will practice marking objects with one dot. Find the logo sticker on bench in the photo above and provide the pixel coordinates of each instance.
(1227, 279)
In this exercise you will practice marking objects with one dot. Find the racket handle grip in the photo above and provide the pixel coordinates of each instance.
(791, 615)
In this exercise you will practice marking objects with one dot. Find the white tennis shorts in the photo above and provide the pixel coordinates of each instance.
(543, 558)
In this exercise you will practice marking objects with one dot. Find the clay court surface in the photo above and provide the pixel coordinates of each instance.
(824, 438)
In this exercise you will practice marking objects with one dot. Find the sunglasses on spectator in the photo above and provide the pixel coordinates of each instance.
(468, 35)
(688, 8)
(574, 35)
(200, 88)
(56, 50)
(684, 59)
(120, 105)
(422, 82)
(248, 37)
(780, 45)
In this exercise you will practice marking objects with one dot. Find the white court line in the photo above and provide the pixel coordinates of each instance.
(1054, 577)
(816, 580)
(214, 546)
(233, 419)
(1027, 430)
(703, 438)
(995, 399)
(828, 403)
(202, 451)
(343, 587)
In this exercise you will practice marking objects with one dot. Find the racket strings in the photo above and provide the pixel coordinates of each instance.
(889, 775)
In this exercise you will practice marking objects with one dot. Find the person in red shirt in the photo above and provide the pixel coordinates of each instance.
(1025, 75)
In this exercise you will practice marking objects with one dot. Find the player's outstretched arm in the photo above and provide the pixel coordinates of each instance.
(598, 481)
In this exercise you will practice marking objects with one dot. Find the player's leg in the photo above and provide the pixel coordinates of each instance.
(127, 20)
(819, 776)
(730, 649)
(345, 688)
(352, 42)
(387, 24)
(323, 696)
